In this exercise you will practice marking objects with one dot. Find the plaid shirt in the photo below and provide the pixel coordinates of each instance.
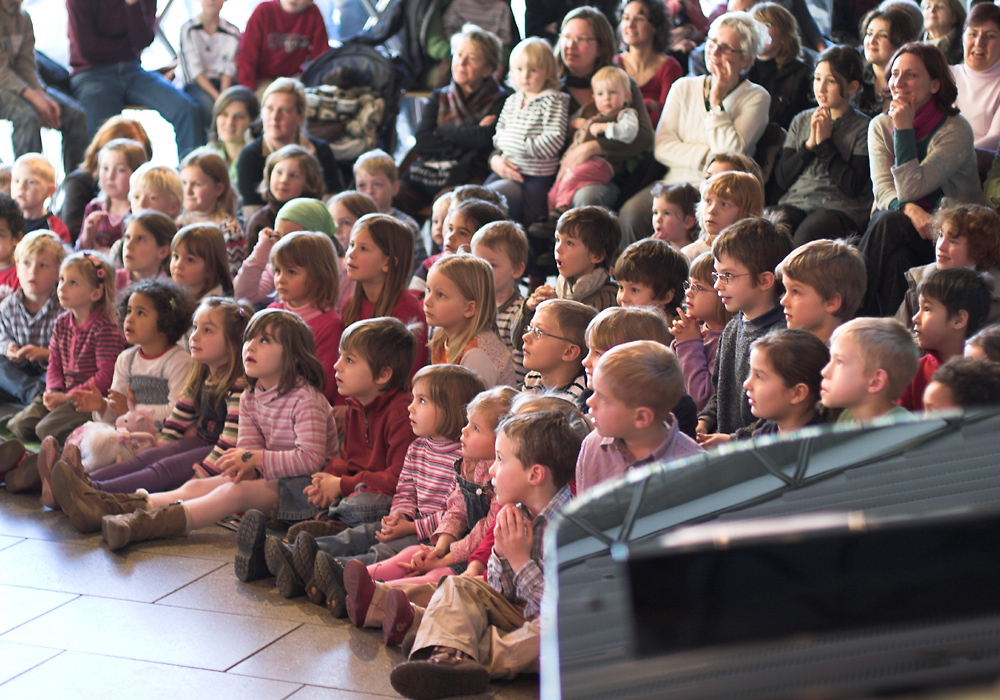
(20, 327)
(526, 585)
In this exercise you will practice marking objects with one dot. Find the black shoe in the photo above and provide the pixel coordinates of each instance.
(250, 561)
(279, 562)
(304, 557)
(328, 578)
(447, 673)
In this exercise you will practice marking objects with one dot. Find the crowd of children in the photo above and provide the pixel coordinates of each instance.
(404, 404)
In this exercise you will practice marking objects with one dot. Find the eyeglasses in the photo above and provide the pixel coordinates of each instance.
(537, 334)
(724, 49)
(726, 277)
(578, 40)
(688, 286)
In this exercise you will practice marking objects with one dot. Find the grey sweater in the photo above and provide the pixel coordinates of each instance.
(728, 409)
(834, 175)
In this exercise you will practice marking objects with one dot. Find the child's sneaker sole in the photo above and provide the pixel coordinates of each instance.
(250, 563)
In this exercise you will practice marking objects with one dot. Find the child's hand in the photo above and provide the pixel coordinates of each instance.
(421, 562)
(54, 399)
(514, 536)
(239, 464)
(598, 129)
(119, 401)
(266, 238)
(488, 120)
(33, 353)
(578, 123)
(505, 169)
(540, 294)
(13, 352)
(475, 569)
(401, 527)
(324, 490)
(89, 229)
(712, 440)
(685, 327)
(88, 399)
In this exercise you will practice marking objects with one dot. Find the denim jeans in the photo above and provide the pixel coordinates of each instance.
(105, 90)
(360, 543)
(27, 126)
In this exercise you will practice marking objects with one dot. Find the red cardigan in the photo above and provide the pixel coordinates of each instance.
(376, 438)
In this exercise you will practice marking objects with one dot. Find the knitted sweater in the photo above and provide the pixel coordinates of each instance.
(376, 438)
(531, 133)
(728, 409)
(427, 479)
(904, 170)
(688, 133)
(979, 101)
(82, 354)
(194, 410)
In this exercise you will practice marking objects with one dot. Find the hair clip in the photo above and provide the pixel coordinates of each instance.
(242, 311)
(98, 269)
(173, 303)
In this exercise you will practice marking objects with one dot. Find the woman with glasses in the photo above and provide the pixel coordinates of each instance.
(920, 152)
(714, 113)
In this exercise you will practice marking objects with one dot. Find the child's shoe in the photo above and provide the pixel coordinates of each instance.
(328, 578)
(446, 673)
(250, 563)
(278, 557)
(142, 525)
(304, 558)
(11, 452)
(397, 620)
(71, 456)
(48, 454)
(86, 506)
(316, 528)
(24, 477)
(359, 587)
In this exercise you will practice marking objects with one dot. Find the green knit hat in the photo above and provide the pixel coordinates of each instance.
(310, 214)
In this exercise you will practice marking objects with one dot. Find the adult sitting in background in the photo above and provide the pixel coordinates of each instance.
(456, 129)
(644, 26)
(233, 113)
(883, 32)
(943, 20)
(25, 101)
(79, 187)
(718, 112)
(587, 44)
(978, 80)
(781, 68)
(106, 39)
(284, 118)
(799, 9)
(920, 152)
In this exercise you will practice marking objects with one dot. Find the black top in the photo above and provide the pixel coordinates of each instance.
(250, 170)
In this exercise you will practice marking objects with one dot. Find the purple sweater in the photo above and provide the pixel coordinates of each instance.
(105, 32)
(697, 358)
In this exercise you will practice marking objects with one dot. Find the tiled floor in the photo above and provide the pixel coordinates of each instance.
(168, 619)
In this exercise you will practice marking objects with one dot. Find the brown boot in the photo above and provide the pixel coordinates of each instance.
(24, 477)
(71, 456)
(11, 452)
(84, 505)
(48, 455)
(142, 525)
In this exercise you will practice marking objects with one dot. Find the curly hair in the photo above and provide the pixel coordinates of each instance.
(174, 307)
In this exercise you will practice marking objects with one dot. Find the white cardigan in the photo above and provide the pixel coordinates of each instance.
(688, 133)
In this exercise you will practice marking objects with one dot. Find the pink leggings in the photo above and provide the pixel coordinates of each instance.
(392, 573)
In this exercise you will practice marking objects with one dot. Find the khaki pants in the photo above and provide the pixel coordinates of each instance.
(419, 595)
(467, 614)
(35, 422)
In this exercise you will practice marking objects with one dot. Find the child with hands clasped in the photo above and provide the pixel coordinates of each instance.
(437, 414)
(531, 129)
(149, 375)
(461, 304)
(535, 459)
(697, 329)
(103, 216)
(209, 406)
(286, 432)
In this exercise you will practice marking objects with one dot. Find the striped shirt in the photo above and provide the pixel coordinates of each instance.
(527, 584)
(78, 355)
(571, 392)
(185, 414)
(427, 479)
(531, 133)
(295, 430)
(22, 328)
(505, 325)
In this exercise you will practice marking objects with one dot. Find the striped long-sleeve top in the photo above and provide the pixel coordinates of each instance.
(531, 133)
(427, 479)
(82, 354)
(295, 430)
(223, 433)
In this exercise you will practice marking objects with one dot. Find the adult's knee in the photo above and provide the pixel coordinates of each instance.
(636, 217)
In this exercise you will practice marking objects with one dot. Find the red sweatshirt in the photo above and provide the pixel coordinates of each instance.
(376, 438)
(276, 44)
